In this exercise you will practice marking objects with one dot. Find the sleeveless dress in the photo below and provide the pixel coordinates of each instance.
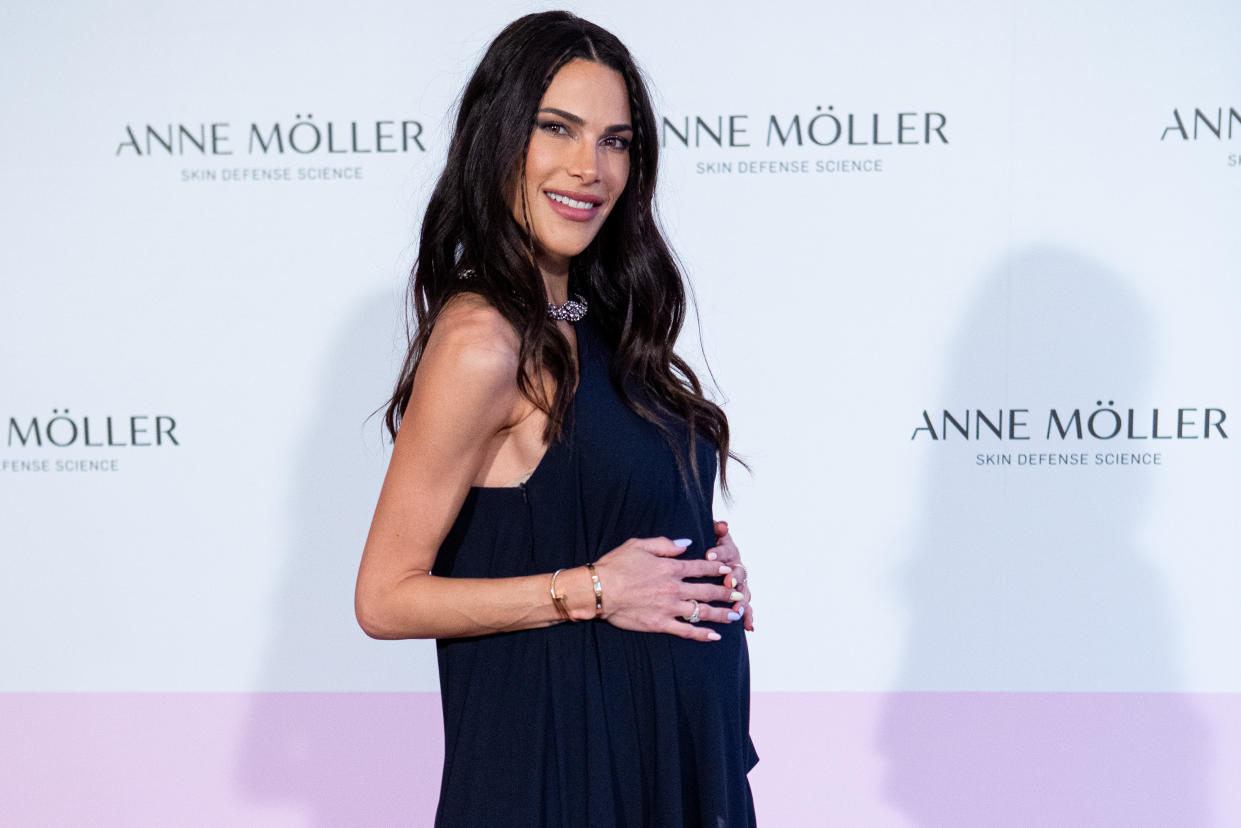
(585, 724)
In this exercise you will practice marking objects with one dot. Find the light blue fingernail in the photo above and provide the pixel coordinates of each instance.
(682, 542)
(734, 616)
(743, 609)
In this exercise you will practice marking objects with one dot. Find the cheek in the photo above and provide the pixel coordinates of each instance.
(539, 158)
(618, 174)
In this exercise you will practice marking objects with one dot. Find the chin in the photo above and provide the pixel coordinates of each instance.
(567, 245)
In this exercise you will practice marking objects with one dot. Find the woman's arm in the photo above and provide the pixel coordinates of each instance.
(464, 395)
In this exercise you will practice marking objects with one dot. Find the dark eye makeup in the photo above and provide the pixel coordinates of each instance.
(613, 141)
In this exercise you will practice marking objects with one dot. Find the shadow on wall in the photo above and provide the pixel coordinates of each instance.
(1030, 579)
(342, 758)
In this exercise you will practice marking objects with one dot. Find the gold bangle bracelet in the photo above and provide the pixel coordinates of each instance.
(594, 580)
(558, 600)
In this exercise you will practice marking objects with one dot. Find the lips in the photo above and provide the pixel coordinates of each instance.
(572, 205)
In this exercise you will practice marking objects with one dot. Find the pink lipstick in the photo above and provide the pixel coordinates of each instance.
(573, 205)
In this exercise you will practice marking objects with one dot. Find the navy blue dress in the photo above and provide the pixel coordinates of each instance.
(585, 724)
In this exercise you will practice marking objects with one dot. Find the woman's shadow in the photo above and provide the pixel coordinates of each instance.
(1030, 581)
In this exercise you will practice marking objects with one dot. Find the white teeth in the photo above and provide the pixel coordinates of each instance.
(571, 202)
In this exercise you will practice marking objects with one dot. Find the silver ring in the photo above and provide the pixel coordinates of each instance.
(693, 616)
(745, 570)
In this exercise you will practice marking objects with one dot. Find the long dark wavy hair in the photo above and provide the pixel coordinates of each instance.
(627, 274)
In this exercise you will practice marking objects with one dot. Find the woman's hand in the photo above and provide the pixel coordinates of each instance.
(644, 589)
(726, 552)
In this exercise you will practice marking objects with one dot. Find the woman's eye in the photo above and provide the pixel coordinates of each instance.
(553, 128)
(616, 142)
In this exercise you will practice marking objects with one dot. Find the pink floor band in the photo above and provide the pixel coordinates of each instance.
(828, 759)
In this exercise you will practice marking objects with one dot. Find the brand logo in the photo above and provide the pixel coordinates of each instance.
(1068, 430)
(221, 143)
(1210, 125)
(1203, 125)
(62, 431)
(857, 142)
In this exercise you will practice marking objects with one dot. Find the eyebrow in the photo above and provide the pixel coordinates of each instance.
(577, 121)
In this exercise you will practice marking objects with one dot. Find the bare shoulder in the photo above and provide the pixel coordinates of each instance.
(468, 325)
(472, 353)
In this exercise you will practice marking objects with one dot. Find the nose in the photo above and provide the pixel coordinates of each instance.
(584, 162)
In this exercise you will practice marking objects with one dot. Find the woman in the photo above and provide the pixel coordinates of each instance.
(593, 671)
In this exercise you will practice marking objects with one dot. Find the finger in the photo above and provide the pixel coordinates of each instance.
(664, 547)
(710, 592)
(737, 578)
(692, 631)
(704, 569)
(718, 615)
(721, 529)
(744, 609)
(726, 553)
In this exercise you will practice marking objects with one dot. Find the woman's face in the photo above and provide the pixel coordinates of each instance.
(577, 162)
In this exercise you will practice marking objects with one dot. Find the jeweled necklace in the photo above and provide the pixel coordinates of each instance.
(573, 310)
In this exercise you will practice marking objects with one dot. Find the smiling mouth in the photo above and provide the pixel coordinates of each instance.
(568, 201)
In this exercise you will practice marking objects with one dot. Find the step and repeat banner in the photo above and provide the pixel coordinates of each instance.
(967, 276)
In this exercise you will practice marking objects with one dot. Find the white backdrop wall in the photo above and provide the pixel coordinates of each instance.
(890, 214)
